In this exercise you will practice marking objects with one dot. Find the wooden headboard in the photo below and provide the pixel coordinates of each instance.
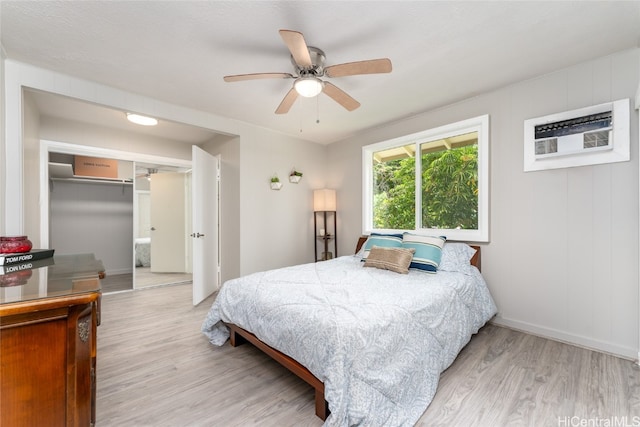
(475, 260)
(361, 241)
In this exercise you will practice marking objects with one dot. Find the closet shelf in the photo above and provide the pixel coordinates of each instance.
(64, 172)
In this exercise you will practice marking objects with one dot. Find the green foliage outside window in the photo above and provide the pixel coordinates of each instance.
(449, 191)
(394, 194)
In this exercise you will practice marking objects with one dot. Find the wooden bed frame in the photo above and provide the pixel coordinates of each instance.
(240, 336)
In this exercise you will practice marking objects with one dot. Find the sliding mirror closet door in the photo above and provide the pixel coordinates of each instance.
(161, 244)
(93, 215)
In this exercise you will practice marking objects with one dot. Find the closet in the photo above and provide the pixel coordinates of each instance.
(93, 215)
(111, 217)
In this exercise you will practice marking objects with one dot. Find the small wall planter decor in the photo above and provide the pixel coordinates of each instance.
(275, 183)
(295, 176)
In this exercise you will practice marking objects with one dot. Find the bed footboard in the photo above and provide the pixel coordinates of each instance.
(239, 336)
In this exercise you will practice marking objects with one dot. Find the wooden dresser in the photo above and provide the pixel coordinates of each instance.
(48, 325)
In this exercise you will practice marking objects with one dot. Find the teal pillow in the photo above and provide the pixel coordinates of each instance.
(428, 251)
(381, 240)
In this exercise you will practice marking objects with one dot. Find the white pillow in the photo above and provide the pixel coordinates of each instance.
(455, 256)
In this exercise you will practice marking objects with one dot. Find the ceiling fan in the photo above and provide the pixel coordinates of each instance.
(308, 64)
(145, 172)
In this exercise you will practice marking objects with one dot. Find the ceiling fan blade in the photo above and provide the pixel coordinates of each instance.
(371, 66)
(287, 102)
(340, 96)
(256, 76)
(298, 47)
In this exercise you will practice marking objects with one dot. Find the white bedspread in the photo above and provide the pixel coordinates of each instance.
(377, 339)
(143, 252)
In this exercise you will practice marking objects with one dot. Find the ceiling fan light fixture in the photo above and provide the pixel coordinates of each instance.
(308, 68)
(141, 120)
(308, 86)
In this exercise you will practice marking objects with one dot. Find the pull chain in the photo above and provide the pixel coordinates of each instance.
(300, 118)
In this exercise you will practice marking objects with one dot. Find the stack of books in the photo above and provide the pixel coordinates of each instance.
(35, 258)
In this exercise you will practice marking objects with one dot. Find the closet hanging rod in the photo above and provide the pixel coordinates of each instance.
(101, 181)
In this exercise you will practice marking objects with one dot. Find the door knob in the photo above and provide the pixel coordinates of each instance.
(153, 229)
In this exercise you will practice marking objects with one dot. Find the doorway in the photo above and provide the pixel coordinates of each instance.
(111, 217)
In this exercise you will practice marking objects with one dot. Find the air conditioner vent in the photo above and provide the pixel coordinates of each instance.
(575, 125)
(586, 136)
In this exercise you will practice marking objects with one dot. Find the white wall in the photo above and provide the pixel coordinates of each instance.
(277, 226)
(563, 257)
(30, 182)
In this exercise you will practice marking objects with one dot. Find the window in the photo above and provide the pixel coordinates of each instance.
(432, 180)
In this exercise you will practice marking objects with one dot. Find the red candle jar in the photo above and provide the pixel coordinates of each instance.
(15, 244)
(17, 278)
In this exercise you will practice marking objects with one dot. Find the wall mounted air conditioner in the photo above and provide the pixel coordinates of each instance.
(586, 136)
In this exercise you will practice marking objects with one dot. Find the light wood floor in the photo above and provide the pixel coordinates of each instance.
(156, 369)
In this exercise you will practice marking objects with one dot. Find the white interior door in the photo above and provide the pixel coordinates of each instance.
(205, 223)
(168, 223)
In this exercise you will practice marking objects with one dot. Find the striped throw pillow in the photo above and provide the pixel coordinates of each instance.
(428, 251)
(382, 240)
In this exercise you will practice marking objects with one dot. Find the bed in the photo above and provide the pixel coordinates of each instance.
(143, 251)
(370, 341)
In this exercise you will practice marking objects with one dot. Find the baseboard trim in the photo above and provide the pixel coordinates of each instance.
(589, 343)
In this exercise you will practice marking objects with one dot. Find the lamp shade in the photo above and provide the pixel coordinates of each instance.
(308, 86)
(324, 200)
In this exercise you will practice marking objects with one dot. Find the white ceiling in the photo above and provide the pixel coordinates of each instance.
(179, 51)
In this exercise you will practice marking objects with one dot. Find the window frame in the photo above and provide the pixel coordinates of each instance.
(478, 124)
